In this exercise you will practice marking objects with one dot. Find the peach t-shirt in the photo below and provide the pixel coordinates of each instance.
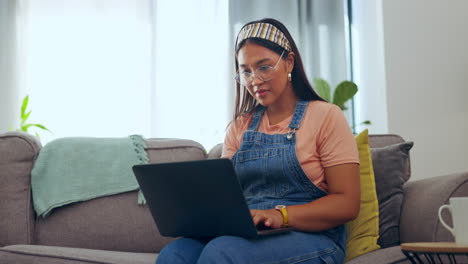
(324, 139)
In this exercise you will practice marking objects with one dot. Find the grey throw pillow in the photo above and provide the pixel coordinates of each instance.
(391, 169)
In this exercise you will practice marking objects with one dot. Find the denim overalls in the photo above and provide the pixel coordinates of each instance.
(270, 174)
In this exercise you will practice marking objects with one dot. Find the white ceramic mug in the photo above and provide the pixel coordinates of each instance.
(458, 208)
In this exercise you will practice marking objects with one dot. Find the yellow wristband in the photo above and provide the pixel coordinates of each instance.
(284, 212)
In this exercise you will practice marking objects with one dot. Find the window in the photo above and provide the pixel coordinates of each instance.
(111, 69)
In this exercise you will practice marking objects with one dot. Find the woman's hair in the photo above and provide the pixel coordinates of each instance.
(246, 103)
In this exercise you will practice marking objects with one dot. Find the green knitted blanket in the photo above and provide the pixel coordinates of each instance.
(70, 170)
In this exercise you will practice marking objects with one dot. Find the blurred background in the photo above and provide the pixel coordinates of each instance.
(109, 68)
(158, 68)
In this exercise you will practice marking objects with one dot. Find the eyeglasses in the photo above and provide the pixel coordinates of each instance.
(264, 73)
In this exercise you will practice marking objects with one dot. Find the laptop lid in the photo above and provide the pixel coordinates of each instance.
(196, 199)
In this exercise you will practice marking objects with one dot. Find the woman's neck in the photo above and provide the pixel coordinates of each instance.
(282, 108)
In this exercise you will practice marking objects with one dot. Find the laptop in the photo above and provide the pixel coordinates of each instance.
(198, 199)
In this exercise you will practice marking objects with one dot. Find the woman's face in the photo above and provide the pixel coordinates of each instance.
(252, 58)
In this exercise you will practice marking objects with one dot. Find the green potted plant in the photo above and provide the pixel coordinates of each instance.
(24, 126)
(343, 92)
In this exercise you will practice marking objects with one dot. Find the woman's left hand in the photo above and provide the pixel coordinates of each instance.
(270, 218)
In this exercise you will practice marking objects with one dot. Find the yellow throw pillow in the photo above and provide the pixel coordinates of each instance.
(363, 231)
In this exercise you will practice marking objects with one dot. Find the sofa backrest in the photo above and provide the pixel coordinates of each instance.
(375, 141)
(378, 141)
(110, 223)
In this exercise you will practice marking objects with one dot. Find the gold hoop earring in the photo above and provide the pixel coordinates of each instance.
(289, 77)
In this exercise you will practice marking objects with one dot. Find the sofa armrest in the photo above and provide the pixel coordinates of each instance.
(419, 220)
(18, 152)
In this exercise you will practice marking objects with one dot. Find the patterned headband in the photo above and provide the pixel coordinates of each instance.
(263, 31)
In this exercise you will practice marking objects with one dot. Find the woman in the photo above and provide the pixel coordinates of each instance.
(295, 157)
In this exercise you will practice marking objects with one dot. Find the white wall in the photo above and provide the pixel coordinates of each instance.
(425, 73)
(370, 103)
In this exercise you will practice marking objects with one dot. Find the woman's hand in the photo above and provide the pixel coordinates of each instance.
(270, 218)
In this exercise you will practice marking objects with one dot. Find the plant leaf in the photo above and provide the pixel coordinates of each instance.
(41, 127)
(343, 92)
(23, 120)
(322, 88)
(24, 106)
(25, 128)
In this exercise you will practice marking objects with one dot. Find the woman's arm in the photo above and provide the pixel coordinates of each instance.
(338, 207)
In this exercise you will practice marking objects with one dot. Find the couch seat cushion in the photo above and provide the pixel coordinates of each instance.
(26, 254)
(382, 256)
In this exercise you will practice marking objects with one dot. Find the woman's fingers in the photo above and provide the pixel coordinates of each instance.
(268, 218)
(257, 216)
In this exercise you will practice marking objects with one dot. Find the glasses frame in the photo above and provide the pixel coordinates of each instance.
(252, 74)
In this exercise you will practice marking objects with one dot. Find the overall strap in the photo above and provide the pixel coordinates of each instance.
(257, 116)
(298, 114)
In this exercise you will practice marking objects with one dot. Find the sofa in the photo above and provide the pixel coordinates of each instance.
(115, 229)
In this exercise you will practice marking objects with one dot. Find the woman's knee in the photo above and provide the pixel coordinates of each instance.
(183, 251)
(223, 249)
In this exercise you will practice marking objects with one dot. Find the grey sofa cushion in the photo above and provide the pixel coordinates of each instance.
(216, 151)
(391, 169)
(383, 140)
(109, 223)
(27, 254)
(387, 255)
(168, 150)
